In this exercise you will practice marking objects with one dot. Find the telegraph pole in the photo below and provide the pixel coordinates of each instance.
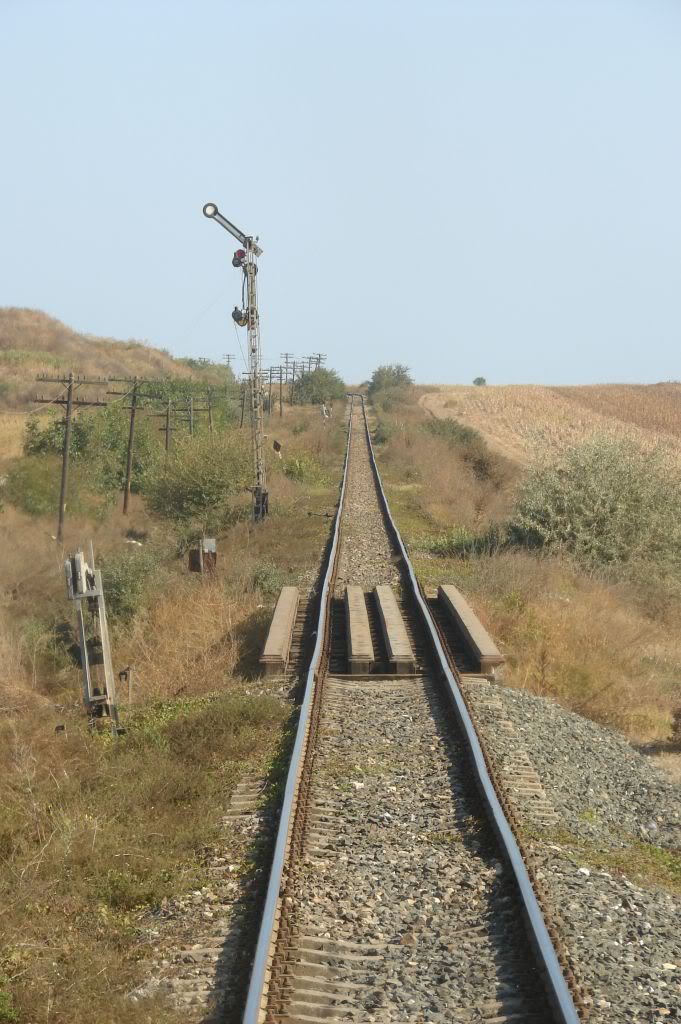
(65, 461)
(209, 400)
(293, 382)
(167, 427)
(246, 259)
(70, 383)
(131, 441)
(135, 395)
(169, 413)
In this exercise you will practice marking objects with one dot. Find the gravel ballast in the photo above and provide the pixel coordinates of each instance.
(623, 933)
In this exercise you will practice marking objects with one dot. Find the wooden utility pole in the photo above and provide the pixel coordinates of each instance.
(65, 460)
(209, 400)
(281, 389)
(135, 395)
(167, 428)
(70, 384)
(287, 357)
(169, 413)
(131, 441)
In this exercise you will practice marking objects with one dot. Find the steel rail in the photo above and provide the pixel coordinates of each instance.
(557, 987)
(556, 984)
(257, 988)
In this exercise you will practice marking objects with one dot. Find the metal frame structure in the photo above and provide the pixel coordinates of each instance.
(250, 269)
(84, 583)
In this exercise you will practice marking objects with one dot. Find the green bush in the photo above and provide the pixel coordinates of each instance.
(305, 469)
(460, 542)
(33, 485)
(197, 485)
(126, 577)
(394, 375)
(318, 386)
(453, 431)
(99, 440)
(471, 446)
(384, 432)
(7, 1012)
(607, 502)
(268, 578)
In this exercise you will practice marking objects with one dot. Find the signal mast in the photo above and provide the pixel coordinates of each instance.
(245, 259)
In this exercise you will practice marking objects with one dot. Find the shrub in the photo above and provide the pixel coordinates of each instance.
(268, 578)
(197, 484)
(394, 375)
(318, 386)
(605, 501)
(460, 542)
(100, 441)
(305, 469)
(33, 485)
(383, 432)
(7, 1011)
(393, 399)
(126, 577)
(453, 431)
(471, 445)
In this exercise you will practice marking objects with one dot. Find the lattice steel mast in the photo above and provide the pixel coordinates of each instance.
(246, 258)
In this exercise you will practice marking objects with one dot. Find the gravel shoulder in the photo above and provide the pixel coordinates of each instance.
(612, 863)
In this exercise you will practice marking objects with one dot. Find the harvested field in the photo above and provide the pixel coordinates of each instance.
(526, 421)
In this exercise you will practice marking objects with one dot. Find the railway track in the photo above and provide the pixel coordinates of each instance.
(397, 890)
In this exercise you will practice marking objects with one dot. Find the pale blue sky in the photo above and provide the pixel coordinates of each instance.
(486, 187)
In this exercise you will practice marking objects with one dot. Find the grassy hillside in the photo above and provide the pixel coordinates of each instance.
(31, 342)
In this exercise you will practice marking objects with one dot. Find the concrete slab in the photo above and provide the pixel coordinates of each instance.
(360, 646)
(474, 633)
(275, 655)
(397, 642)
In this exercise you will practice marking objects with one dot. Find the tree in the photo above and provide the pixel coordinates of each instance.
(394, 375)
(318, 386)
(197, 484)
(480, 382)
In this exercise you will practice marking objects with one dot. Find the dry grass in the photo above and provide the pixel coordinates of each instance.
(187, 642)
(607, 652)
(11, 435)
(32, 342)
(653, 407)
(526, 421)
(435, 483)
(94, 833)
